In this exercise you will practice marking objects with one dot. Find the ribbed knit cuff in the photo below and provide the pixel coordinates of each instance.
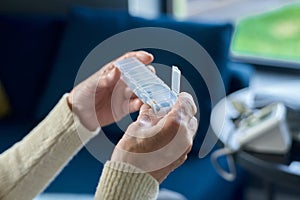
(124, 181)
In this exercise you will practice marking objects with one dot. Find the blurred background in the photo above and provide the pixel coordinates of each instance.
(259, 40)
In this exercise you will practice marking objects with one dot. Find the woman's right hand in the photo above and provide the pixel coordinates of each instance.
(158, 145)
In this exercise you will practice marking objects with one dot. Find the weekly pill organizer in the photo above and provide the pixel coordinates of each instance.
(149, 87)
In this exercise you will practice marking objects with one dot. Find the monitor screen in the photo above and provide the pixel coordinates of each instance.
(271, 38)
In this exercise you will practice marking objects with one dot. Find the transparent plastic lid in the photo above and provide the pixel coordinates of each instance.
(147, 86)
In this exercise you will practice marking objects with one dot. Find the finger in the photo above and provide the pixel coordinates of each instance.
(113, 76)
(135, 105)
(143, 56)
(151, 68)
(147, 115)
(144, 108)
(193, 126)
(144, 113)
(181, 159)
(186, 105)
(188, 102)
(170, 123)
(107, 76)
(128, 94)
(176, 121)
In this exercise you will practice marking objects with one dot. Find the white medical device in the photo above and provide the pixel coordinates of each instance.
(263, 131)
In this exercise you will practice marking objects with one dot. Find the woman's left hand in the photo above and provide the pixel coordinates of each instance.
(104, 98)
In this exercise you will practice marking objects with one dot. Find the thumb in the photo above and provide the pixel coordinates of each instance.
(147, 117)
(144, 114)
(114, 76)
(144, 57)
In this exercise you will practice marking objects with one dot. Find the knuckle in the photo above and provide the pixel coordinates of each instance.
(193, 125)
(174, 122)
(128, 54)
(151, 68)
(186, 95)
(189, 142)
(187, 103)
(190, 147)
(183, 158)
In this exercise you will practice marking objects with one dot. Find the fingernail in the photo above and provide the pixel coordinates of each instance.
(193, 125)
(144, 56)
(144, 120)
(188, 99)
(112, 72)
(152, 69)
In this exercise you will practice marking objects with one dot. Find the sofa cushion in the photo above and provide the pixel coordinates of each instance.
(28, 46)
(197, 179)
(86, 28)
(241, 74)
(12, 131)
(213, 37)
(80, 176)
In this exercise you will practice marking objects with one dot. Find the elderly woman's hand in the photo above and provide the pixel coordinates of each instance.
(103, 98)
(158, 145)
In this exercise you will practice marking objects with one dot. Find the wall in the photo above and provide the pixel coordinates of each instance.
(145, 8)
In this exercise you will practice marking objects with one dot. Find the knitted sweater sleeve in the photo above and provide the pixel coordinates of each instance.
(124, 181)
(30, 165)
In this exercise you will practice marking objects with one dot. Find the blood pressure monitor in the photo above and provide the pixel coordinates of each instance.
(263, 131)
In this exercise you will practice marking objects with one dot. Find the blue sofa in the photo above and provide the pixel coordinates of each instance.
(40, 56)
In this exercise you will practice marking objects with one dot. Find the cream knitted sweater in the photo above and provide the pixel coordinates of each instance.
(30, 165)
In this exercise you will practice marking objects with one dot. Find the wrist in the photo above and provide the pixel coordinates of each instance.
(131, 181)
(131, 159)
(84, 118)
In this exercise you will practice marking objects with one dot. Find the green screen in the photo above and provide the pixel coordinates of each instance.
(274, 35)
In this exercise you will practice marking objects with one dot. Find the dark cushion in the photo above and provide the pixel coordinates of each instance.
(86, 29)
(197, 179)
(240, 75)
(12, 131)
(213, 37)
(28, 46)
(81, 175)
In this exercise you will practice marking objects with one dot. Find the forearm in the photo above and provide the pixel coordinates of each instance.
(29, 166)
(123, 181)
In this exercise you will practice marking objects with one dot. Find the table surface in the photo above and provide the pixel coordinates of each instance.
(272, 168)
